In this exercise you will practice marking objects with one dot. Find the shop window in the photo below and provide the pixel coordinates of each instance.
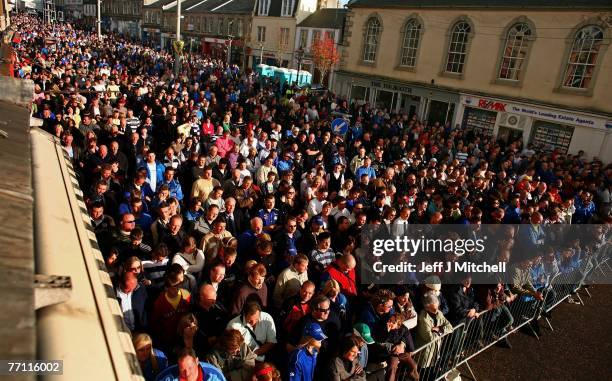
(549, 136)
(360, 94)
(480, 121)
(582, 58)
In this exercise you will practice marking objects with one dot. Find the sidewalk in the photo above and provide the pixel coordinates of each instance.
(578, 349)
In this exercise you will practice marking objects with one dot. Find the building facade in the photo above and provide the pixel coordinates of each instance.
(323, 24)
(73, 9)
(209, 27)
(122, 16)
(274, 29)
(514, 70)
(5, 20)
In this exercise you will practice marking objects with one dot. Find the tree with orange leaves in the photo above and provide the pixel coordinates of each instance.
(324, 55)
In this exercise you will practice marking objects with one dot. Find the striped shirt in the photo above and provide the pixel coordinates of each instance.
(323, 257)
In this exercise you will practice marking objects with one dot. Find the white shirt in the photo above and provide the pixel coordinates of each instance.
(153, 172)
(192, 264)
(265, 331)
(126, 307)
(315, 206)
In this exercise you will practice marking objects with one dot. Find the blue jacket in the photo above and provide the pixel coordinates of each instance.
(175, 188)
(302, 365)
(159, 169)
(583, 212)
(162, 363)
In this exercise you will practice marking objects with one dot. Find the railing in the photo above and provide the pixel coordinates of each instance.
(448, 352)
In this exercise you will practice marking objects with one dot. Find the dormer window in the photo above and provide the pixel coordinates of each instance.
(264, 6)
(287, 8)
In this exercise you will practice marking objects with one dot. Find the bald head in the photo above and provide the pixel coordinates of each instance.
(207, 296)
(256, 225)
(348, 262)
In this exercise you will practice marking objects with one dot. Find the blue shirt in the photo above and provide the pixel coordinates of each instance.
(365, 171)
(268, 217)
(302, 365)
(162, 363)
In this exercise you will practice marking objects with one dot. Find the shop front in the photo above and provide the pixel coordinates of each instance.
(431, 104)
(546, 128)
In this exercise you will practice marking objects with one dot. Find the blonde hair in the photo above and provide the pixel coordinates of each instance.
(141, 340)
(331, 285)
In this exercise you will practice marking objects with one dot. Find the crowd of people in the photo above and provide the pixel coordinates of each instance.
(230, 214)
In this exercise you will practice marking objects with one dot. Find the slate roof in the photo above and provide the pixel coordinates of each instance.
(277, 5)
(558, 4)
(215, 6)
(329, 18)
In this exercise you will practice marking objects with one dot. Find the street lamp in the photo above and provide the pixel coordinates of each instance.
(178, 45)
(99, 22)
(300, 55)
(230, 37)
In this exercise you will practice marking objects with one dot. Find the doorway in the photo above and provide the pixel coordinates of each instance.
(438, 112)
(509, 135)
(407, 103)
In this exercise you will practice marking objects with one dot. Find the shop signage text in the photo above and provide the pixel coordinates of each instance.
(388, 86)
(554, 116)
(539, 113)
(491, 105)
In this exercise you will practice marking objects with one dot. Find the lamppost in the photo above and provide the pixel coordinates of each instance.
(261, 53)
(230, 38)
(99, 22)
(300, 56)
(177, 60)
(178, 46)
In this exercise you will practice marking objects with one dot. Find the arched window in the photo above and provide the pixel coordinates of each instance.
(582, 58)
(371, 38)
(515, 51)
(457, 48)
(410, 43)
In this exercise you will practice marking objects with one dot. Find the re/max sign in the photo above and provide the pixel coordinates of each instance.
(491, 105)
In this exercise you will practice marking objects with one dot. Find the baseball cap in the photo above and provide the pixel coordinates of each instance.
(318, 220)
(364, 332)
(314, 330)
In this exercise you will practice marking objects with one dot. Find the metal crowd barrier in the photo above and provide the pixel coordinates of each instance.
(438, 357)
(446, 353)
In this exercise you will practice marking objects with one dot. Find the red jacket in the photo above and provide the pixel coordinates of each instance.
(347, 281)
(165, 318)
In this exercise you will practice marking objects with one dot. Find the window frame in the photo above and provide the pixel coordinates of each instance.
(528, 42)
(284, 40)
(569, 42)
(287, 8)
(591, 37)
(263, 7)
(364, 44)
(261, 31)
(413, 18)
(457, 38)
(446, 47)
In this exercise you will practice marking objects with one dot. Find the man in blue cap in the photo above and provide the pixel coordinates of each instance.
(303, 359)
